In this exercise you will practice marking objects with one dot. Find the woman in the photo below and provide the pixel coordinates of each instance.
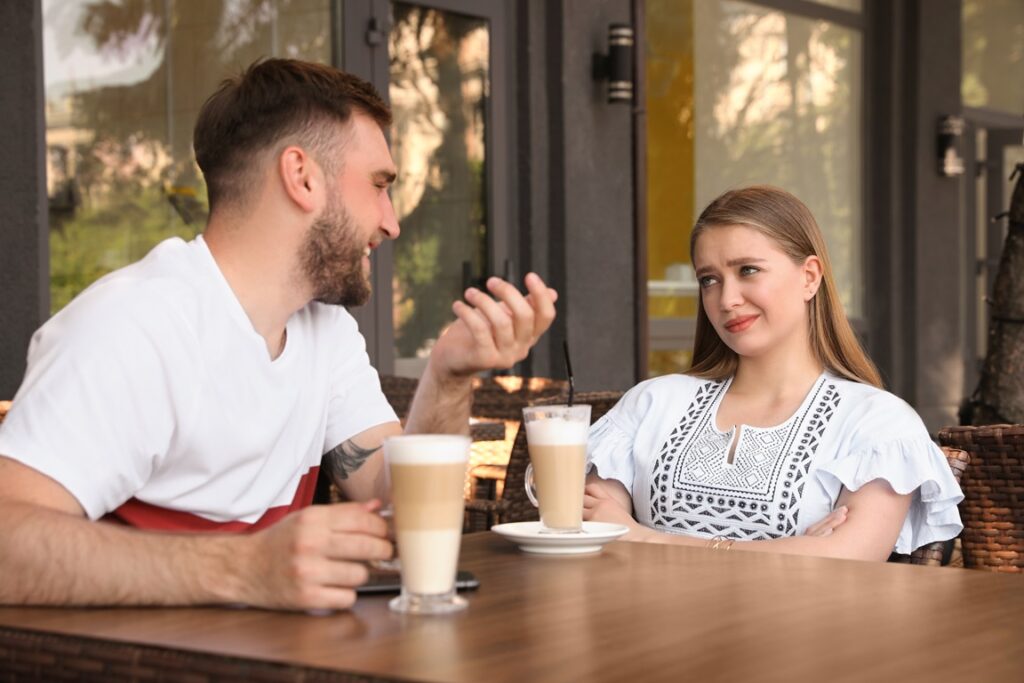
(781, 420)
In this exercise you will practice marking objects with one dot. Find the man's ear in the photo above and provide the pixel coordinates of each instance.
(301, 178)
(812, 276)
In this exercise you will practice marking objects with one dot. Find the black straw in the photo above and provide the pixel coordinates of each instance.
(568, 368)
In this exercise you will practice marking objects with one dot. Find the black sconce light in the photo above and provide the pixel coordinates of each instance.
(950, 130)
(617, 66)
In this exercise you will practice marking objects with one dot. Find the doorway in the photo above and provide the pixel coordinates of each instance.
(442, 65)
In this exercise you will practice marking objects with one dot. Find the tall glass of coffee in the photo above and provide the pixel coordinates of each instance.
(428, 473)
(557, 440)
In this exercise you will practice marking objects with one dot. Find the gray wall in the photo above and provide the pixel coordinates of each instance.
(24, 243)
(915, 273)
(938, 316)
(576, 189)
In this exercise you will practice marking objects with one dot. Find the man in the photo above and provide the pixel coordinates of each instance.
(198, 389)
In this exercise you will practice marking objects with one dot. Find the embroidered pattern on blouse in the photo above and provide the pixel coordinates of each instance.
(757, 497)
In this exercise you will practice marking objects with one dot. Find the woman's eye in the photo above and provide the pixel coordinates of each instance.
(706, 281)
(749, 270)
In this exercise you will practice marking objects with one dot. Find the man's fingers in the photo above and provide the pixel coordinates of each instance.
(475, 323)
(522, 313)
(501, 323)
(353, 518)
(347, 546)
(542, 299)
(326, 598)
(342, 574)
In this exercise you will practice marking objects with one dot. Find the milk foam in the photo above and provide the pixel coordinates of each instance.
(426, 449)
(556, 431)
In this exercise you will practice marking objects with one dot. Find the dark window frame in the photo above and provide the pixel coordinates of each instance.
(353, 52)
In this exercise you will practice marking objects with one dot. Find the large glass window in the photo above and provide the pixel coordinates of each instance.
(439, 89)
(740, 94)
(124, 83)
(993, 55)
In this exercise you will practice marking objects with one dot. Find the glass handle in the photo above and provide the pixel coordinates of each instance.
(530, 487)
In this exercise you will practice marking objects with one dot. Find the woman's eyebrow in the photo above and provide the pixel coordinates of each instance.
(742, 261)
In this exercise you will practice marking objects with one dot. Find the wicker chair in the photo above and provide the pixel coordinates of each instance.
(504, 397)
(399, 392)
(501, 398)
(513, 505)
(495, 398)
(936, 554)
(993, 506)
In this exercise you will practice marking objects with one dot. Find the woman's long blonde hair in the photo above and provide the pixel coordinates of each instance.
(784, 220)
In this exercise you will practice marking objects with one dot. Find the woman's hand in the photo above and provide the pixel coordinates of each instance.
(600, 506)
(829, 523)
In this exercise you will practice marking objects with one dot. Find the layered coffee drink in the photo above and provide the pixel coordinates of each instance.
(428, 474)
(557, 441)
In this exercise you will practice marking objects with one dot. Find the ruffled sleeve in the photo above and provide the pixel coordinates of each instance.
(910, 465)
(631, 431)
(610, 451)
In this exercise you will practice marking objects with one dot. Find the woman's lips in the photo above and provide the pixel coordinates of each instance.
(739, 324)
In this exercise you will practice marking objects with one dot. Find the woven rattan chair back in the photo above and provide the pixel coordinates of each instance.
(504, 397)
(993, 506)
(501, 398)
(933, 554)
(516, 507)
(399, 392)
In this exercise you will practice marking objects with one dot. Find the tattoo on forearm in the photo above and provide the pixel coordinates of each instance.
(346, 459)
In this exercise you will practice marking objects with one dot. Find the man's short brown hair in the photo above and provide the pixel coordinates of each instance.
(272, 100)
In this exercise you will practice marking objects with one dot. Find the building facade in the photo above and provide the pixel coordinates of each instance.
(896, 121)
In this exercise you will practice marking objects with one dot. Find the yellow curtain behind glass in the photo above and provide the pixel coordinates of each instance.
(670, 160)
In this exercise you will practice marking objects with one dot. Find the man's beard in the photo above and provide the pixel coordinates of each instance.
(332, 259)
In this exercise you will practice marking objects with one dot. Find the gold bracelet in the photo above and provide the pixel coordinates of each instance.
(720, 542)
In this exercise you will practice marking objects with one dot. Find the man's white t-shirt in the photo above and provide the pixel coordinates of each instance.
(661, 441)
(154, 401)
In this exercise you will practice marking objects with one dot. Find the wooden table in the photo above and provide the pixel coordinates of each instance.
(634, 612)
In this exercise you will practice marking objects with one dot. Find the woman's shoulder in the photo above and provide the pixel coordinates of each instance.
(674, 385)
(660, 395)
(876, 413)
(678, 381)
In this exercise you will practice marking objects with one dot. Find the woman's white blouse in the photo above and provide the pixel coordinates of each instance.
(662, 443)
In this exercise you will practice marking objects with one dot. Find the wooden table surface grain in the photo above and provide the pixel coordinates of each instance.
(659, 613)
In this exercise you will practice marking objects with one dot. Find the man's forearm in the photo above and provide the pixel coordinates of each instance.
(441, 404)
(54, 558)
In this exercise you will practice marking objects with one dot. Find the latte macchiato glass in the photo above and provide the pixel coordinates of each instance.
(557, 440)
(428, 473)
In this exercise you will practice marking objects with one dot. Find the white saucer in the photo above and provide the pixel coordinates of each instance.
(531, 538)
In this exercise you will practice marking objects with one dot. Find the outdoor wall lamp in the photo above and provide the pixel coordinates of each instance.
(950, 130)
(616, 66)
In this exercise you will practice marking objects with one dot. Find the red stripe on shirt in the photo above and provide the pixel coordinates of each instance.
(140, 515)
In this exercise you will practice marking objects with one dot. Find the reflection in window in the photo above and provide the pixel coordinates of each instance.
(124, 83)
(438, 87)
(993, 55)
(738, 95)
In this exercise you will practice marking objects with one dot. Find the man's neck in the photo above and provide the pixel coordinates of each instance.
(260, 271)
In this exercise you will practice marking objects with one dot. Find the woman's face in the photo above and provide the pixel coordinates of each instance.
(753, 294)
